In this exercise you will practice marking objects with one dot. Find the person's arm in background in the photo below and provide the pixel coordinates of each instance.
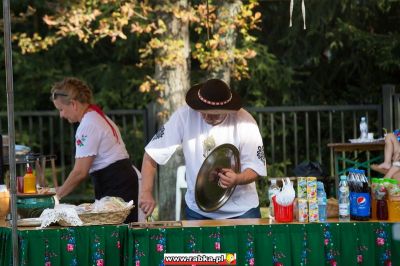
(76, 176)
(149, 168)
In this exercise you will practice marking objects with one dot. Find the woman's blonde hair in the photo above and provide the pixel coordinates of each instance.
(72, 89)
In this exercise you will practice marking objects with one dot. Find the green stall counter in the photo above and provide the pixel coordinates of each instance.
(333, 243)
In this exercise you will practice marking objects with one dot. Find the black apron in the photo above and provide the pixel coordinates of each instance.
(119, 179)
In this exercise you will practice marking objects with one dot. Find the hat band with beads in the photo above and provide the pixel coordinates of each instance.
(214, 103)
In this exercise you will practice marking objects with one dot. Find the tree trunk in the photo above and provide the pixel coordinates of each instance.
(176, 82)
(227, 11)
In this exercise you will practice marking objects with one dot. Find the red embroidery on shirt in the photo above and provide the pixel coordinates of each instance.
(81, 141)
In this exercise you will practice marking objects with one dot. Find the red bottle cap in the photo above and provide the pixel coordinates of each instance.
(29, 170)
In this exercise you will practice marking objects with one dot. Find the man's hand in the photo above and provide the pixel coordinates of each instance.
(147, 203)
(146, 200)
(227, 178)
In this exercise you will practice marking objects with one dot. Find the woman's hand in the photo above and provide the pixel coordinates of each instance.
(76, 176)
(58, 192)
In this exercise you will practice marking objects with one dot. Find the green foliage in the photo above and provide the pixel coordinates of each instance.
(348, 47)
(158, 24)
(270, 80)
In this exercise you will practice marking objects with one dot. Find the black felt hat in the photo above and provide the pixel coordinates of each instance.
(213, 95)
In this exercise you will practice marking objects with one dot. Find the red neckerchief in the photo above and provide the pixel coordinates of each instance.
(98, 110)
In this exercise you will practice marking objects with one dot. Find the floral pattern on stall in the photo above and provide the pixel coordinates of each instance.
(304, 247)
(192, 244)
(161, 246)
(383, 244)
(115, 236)
(48, 254)
(276, 255)
(330, 251)
(217, 239)
(250, 260)
(138, 253)
(69, 236)
(23, 248)
(360, 247)
(98, 252)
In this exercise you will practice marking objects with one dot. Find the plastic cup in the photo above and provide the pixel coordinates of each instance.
(283, 214)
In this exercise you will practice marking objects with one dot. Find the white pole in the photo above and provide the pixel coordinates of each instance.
(11, 128)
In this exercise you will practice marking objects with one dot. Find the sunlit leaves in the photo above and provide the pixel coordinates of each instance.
(91, 21)
(35, 43)
(218, 52)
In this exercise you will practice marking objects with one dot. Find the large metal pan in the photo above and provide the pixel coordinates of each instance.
(208, 194)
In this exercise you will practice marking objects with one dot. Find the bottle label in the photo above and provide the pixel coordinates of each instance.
(344, 209)
(360, 204)
(271, 192)
(344, 189)
(321, 200)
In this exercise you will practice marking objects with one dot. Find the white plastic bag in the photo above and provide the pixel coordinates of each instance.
(286, 196)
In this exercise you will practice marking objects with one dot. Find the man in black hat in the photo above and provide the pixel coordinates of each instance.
(213, 116)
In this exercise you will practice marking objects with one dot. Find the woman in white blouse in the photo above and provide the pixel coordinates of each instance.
(100, 150)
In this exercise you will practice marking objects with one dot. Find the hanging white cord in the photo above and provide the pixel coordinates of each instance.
(291, 12)
(303, 13)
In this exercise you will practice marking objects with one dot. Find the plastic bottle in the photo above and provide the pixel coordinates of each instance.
(375, 183)
(381, 194)
(344, 200)
(321, 197)
(382, 211)
(394, 201)
(363, 128)
(29, 181)
(272, 190)
(360, 198)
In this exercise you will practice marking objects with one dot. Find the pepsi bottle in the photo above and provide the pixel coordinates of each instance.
(360, 199)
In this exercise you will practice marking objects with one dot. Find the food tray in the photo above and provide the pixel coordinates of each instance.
(99, 218)
(366, 140)
(29, 222)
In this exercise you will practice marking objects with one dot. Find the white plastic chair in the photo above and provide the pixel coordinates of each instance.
(180, 183)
